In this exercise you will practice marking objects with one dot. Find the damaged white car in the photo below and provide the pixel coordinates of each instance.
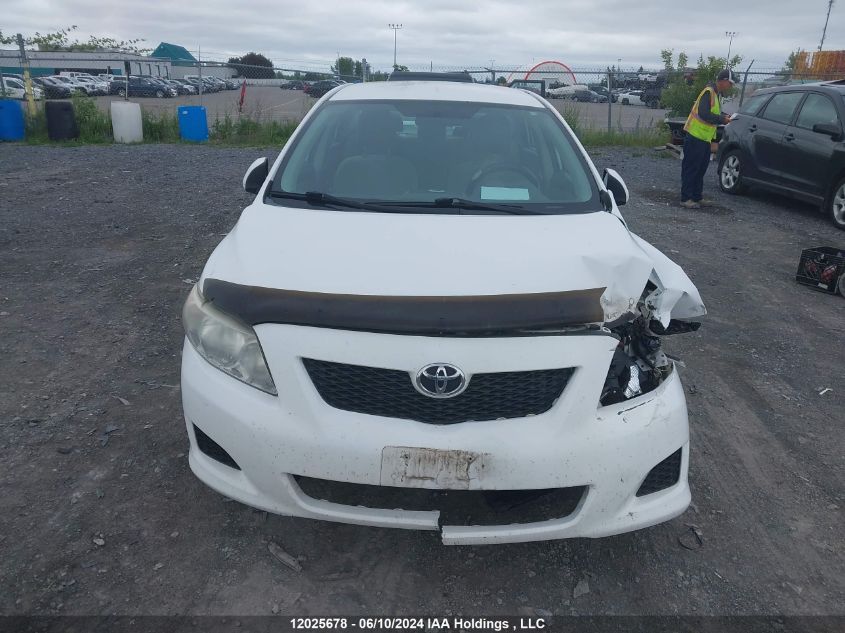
(434, 317)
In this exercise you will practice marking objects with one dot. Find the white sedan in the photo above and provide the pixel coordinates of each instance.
(633, 97)
(466, 341)
(15, 89)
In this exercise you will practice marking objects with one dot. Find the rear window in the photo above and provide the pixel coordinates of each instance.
(817, 109)
(782, 106)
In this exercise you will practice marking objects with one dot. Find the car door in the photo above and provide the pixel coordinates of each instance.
(809, 154)
(766, 132)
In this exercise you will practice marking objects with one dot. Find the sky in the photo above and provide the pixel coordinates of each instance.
(449, 33)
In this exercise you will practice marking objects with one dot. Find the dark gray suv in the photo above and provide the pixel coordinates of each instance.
(790, 139)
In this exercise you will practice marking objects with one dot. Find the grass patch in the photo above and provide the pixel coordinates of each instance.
(647, 137)
(159, 128)
(249, 132)
(94, 124)
(35, 128)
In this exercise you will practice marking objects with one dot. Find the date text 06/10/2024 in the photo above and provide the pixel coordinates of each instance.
(418, 624)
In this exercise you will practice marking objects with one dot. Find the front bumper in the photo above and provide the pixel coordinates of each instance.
(576, 443)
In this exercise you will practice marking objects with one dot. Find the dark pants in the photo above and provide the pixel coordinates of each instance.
(693, 168)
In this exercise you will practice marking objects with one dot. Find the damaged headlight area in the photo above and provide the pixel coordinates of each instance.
(228, 344)
(639, 364)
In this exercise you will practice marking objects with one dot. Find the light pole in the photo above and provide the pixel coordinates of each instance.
(731, 35)
(395, 28)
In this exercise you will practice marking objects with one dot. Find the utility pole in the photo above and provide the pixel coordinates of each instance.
(395, 28)
(826, 20)
(731, 35)
(199, 70)
(27, 78)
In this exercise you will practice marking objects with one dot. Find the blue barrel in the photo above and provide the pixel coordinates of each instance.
(11, 120)
(193, 125)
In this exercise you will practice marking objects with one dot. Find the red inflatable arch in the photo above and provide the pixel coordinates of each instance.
(551, 71)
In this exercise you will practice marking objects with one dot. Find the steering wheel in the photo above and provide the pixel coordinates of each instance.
(499, 168)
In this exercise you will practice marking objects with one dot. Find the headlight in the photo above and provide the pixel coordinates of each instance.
(226, 343)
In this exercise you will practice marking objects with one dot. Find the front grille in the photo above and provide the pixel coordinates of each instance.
(457, 507)
(664, 475)
(390, 393)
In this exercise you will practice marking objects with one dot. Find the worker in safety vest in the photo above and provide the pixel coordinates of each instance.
(703, 119)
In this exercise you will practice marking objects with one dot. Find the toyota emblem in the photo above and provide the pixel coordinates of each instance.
(440, 380)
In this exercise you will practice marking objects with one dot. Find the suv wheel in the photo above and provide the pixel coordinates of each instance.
(121, 92)
(730, 173)
(159, 94)
(625, 102)
(836, 205)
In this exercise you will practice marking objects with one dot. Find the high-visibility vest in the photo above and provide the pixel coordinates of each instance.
(695, 125)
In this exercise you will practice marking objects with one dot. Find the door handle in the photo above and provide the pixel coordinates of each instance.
(789, 137)
(752, 127)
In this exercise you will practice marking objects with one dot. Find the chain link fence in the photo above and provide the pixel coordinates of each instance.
(609, 98)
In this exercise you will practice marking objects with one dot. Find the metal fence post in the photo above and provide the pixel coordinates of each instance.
(609, 102)
(27, 78)
(744, 81)
(199, 70)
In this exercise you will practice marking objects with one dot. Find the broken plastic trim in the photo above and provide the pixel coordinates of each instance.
(639, 365)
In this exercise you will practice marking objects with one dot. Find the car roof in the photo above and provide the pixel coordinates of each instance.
(436, 91)
(834, 86)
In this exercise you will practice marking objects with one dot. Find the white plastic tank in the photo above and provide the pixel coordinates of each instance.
(126, 122)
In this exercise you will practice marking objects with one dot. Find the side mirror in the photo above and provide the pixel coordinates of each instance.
(256, 175)
(614, 183)
(831, 129)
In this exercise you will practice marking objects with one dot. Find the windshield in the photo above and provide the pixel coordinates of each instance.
(423, 151)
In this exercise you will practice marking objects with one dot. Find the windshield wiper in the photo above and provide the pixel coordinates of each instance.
(317, 198)
(472, 205)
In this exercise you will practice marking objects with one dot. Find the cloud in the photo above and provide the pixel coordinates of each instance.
(446, 33)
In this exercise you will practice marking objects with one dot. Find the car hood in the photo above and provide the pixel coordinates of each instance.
(419, 255)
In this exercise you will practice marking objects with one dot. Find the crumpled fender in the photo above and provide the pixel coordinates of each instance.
(676, 297)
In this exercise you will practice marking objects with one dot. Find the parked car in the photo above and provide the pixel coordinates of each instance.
(75, 74)
(182, 87)
(587, 96)
(564, 92)
(15, 89)
(91, 86)
(789, 140)
(205, 83)
(295, 84)
(603, 93)
(312, 375)
(140, 87)
(169, 90)
(631, 97)
(53, 89)
(319, 88)
(211, 85)
(71, 83)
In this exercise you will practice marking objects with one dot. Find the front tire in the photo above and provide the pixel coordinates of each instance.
(836, 205)
(730, 173)
(159, 94)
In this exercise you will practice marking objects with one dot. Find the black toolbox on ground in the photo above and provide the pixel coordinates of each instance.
(822, 268)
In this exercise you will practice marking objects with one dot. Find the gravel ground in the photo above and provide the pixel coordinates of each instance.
(99, 513)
